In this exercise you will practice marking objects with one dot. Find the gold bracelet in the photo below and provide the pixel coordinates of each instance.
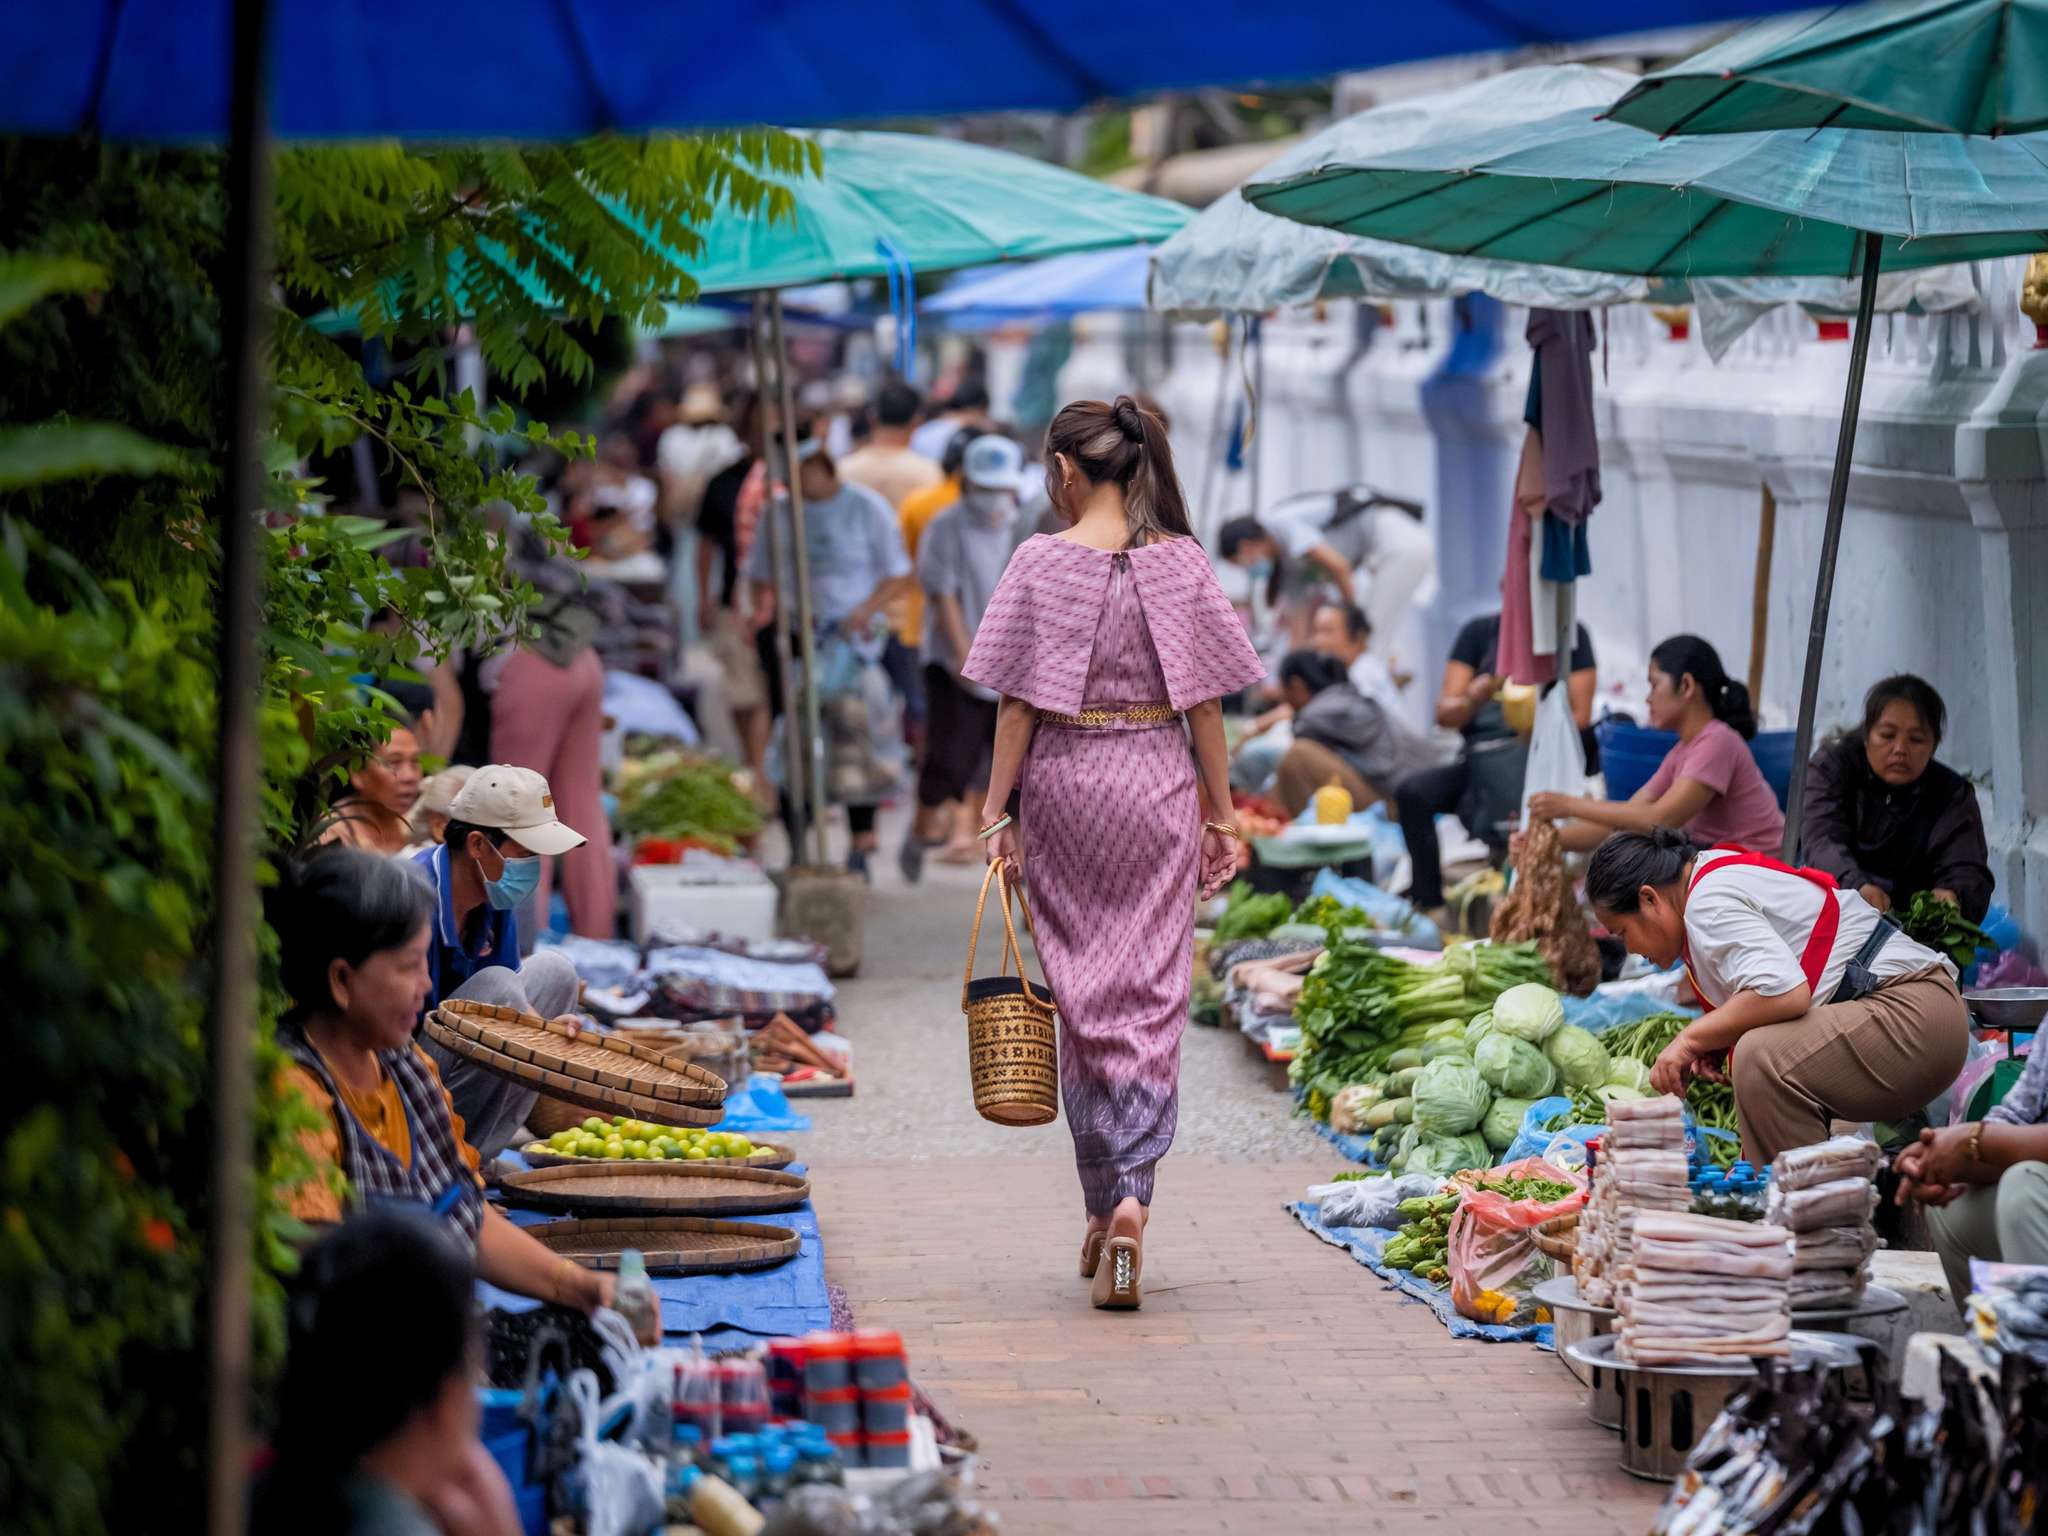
(1977, 1146)
(1224, 827)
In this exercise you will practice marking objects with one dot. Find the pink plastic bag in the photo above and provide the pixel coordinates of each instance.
(1494, 1261)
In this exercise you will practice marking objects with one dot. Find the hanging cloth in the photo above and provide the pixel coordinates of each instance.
(1561, 393)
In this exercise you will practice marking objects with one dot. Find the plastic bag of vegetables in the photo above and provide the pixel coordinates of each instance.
(1528, 1012)
(1446, 1155)
(1514, 1067)
(1450, 1097)
(1494, 1262)
(1580, 1059)
(1503, 1122)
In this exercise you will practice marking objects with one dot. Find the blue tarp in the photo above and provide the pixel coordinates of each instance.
(1366, 1244)
(1080, 284)
(562, 69)
(769, 1304)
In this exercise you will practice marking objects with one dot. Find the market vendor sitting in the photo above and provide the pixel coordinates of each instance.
(500, 826)
(1708, 783)
(356, 933)
(1887, 820)
(1823, 1009)
(1985, 1184)
(1340, 737)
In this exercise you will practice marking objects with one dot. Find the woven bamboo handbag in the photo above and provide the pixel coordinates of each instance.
(1012, 1048)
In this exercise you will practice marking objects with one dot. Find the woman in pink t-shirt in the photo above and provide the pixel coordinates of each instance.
(1708, 784)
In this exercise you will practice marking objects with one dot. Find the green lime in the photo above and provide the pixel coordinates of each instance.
(593, 1124)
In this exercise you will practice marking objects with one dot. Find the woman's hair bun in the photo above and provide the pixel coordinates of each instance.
(1129, 420)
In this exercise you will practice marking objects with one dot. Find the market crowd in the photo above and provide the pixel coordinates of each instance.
(480, 828)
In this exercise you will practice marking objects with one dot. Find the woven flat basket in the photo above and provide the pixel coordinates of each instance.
(1558, 1237)
(1012, 1039)
(671, 1245)
(597, 1071)
(541, 1155)
(656, 1189)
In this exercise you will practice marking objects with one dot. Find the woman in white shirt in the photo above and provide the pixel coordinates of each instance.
(1822, 1010)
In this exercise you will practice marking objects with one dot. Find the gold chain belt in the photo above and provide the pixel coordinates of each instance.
(1096, 719)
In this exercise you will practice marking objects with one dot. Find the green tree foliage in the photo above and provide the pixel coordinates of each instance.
(110, 442)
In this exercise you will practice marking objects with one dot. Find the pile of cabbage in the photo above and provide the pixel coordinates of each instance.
(1458, 1100)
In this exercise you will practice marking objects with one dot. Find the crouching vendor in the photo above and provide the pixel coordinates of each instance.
(354, 930)
(1819, 1010)
(1985, 1184)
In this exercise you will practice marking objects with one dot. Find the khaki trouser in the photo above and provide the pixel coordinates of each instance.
(1878, 1058)
(2006, 1223)
(1307, 767)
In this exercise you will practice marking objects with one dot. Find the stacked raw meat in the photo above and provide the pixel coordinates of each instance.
(1823, 1194)
(1703, 1291)
(1642, 1167)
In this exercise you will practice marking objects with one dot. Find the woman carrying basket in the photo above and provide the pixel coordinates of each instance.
(1112, 646)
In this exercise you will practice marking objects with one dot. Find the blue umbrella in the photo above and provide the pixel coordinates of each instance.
(1043, 290)
(552, 69)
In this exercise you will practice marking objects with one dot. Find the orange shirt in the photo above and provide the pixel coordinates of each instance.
(918, 509)
(381, 1113)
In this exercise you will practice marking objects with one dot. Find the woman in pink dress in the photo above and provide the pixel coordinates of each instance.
(1112, 646)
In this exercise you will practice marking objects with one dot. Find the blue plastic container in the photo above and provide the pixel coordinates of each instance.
(1630, 754)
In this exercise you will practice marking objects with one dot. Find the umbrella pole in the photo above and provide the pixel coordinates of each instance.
(1257, 445)
(1831, 542)
(794, 763)
(799, 551)
(232, 999)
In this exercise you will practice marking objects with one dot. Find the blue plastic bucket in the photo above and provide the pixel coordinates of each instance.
(1629, 754)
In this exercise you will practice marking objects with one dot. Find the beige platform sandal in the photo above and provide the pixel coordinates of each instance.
(1118, 1274)
(1091, 1252)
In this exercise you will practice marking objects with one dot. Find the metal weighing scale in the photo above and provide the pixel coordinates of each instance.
(1667, 1408)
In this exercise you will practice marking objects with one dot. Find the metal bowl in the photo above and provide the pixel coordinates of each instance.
(2009, 1007)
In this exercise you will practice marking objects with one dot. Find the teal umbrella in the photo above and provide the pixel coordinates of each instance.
(1930, 66)
(1232, 258)
(1827, 202)
(885, 201)
(1572, 192)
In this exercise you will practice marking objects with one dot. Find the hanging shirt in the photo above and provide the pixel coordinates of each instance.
(1745, 929)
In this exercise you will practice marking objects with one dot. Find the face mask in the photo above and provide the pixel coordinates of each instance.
(519, 881)
(1262, 570)
(989, 508)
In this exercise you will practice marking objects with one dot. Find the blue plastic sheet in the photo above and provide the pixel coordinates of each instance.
(1598, 1014)
(773, 1303)
(1367, 1244)
(1390, 912)
(761, 1106)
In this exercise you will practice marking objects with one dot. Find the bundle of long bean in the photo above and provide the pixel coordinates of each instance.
(1711, 1105)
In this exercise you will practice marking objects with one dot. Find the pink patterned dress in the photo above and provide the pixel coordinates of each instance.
(1111, 820)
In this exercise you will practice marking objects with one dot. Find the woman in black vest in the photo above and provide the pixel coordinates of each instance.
(354, 931)
(1887, 820)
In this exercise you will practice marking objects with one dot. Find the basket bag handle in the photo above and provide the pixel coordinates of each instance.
(1012, 953)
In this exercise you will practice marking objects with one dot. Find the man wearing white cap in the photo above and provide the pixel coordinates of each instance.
(500, 826)
(960, 559)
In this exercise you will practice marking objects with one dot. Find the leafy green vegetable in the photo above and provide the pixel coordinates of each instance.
(1478, 1030)
(1446, 1155)
(1503, 1122)
(1627, 1072)
(1450, 1097)
(1332, 916)
(1580, 1059)
(1529, 1012)
(674, 794)
(1514, 1067)
(1940, 925)
(1247, 914)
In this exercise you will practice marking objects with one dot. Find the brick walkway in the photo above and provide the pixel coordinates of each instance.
(1269, 1385)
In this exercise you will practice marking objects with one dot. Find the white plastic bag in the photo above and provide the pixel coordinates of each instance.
(1557, 758)
(622, 1493)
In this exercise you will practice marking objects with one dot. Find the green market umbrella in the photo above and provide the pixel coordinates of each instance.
(1232, 258)
(1828, 202)
(1930, 66)
(884, 201)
